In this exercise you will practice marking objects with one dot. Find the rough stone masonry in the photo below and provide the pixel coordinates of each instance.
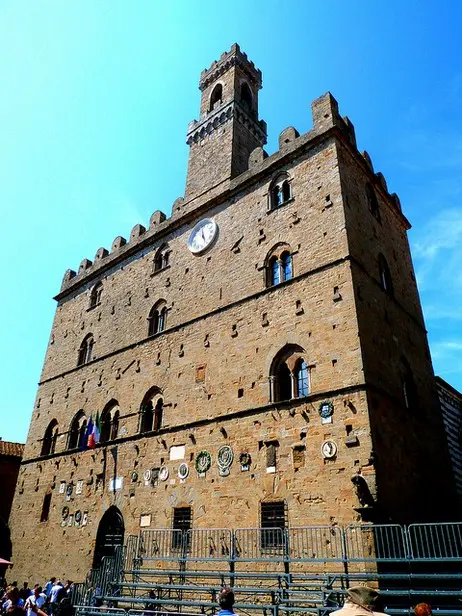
(270, 332)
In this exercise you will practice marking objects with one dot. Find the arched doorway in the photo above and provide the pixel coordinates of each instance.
(110, 534)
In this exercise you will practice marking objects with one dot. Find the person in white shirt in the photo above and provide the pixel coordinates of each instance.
(48, 586)
(53, 596)
(36, 600)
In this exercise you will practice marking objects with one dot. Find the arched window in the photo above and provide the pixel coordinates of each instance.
(279, 266)
(215, 98)
(77, 432)
(95, 295)
(161, 258)
(49, 439)
(109, 419)
(384, 275)
(157, 319)
(289, 374)
(151, 411)
(246, 97)
(280, 191)
(372, 202)
(85, 350)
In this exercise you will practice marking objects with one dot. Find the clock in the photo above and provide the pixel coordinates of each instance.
(202, 236)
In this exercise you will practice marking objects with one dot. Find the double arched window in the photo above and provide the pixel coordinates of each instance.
(77, 432)
(85, 350)
(110, 422)
(289, 374)
(157, 319)
(49, 438)
(161, 258)
(95, 295)
(279, 265)
(151, 411)
(384, 275)
(280, 191)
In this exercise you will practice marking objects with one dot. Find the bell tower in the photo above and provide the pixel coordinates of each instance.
(228, 129)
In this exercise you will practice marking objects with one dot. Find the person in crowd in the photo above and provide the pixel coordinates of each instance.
(226, 602)
(423, 609)
(360, 601)
(48, 586)
(36, 600)
(55, 589)
(25, 591)
(14, 601)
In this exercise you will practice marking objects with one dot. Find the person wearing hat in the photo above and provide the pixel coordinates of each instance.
(226, 602)
(360, 601)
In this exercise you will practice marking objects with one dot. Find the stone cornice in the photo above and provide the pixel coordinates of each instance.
(199, 129)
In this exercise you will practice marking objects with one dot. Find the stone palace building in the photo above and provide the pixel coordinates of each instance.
(258, 359)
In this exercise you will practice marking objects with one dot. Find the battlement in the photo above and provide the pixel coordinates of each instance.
(233, 57)
(325, 116)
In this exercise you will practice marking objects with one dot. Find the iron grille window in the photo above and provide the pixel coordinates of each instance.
(181, 522)
(273, 524)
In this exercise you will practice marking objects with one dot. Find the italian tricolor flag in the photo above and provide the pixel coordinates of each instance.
(94, 436)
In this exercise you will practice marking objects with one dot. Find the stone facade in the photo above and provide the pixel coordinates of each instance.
(225, 343)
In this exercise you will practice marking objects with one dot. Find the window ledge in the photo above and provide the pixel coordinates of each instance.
(93, 307)
(279, 207)
(162, 269)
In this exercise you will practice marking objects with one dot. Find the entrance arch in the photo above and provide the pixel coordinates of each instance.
(110, 535)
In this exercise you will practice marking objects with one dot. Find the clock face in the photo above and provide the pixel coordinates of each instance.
(202, 235)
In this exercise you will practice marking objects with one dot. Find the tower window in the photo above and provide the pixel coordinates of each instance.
(246, 97)
(372, 201)
(85, 350)
(216, 97)
(157, 318)
(273, 524)
(95, 295)
(279, 266)
(46, 507)
(280, 191)
(49, 439)
(384, 276)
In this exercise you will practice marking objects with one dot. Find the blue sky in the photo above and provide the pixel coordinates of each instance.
(97, 96)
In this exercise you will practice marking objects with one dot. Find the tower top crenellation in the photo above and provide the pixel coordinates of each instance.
(228, 59)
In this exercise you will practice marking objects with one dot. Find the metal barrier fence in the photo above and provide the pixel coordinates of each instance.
(435, 541)
(354, 543)
(316, 543)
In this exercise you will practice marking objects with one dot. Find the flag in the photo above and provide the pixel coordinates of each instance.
(93, 438)
(88, 432)
(97, 428)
